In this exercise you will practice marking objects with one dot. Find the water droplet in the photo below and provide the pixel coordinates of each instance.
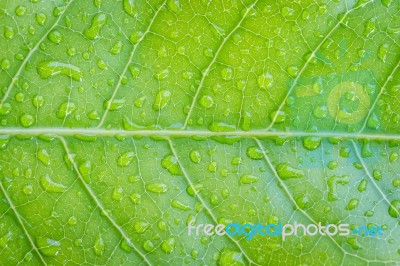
(373, 121)
(114, 104)
(230, 257)
(206, 101)
(135, 198)
(168, 245)
(136, 37)
(265, 81)
(99, 246)
(118, 194)
(394, 209)
(51, 186)
(55, 37)
(208, 53)
(66, 109)
(286, 171)
(20, 11)
(174, 6)
(363, 185)
(344, 152)
(135, 71)
(157, 187)
(292, 71)
(377, 174)
(387, 3)
(227, 73)
(170, 163)
(320, 111)
(5, 239)
(85, 170)
(162, 99)
(98, 21)
(192, 190)
(311, 143)
(148, 245)
(5, 64)
(195, 156)
(179, 205)
(287, 11)
(41, 18)
(353, 203)
(140, 227)
(28, 189)
(5, 109)
(48, 247)
(27, 120)
(383, 52)
(125, 159)
(254, 153)
(43, 156)
(221, 127)
(129, 7)
(393, 157)
(52, 68)
(163, 74)
(72, 220)
(370, 27)
(280, 116)
(117, 48)
(248, 179)
(9, 32)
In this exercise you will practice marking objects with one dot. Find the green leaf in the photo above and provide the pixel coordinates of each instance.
(123, 121)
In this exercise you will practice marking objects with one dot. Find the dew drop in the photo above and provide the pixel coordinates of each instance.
(115, 104)
(387, 3)
(170, 163)
(363, 185)
(66, 109)
(393, 157)
(168, 245)
(280, 116)
(27, 189)
(163, 74)
(99, 246)
(352, 204)
(48, 247)
(125, 159)
(117, 48)
(5, 64)
(370, 27)
(255, 153)
(27, 120)
(179, 205)
(292, 71)
(9, 32)
(286, 171)
(43, 156)
(206, 101)
(72, 220)
(377, 174)
(195, 156)
(5, 109)
(135, 198)
(227, 73)
(174, 6)
(55, 37)
(162, 99)
(148, 245)
(248, 179)
(157, 187)
(383, 52)
(51, 186)
(93, 32)
(41, 19)
(52, 68)
(230, 257)
(320, 111)
(373, 121)
(135, 37)
(20, 11)
(265, 81)
(394, 209)
(311, 143)
(129, 7)
(118, 194)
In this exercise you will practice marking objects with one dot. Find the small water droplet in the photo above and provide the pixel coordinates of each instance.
(125, 159)
(174, 6)
(248, 179)
(163, 74)
(43, 156)
(157, 187)
(99, 246)
(20, 11)
(195, 156)
(117, 48)
(118, 194)
(206, 101)
(170, 163)
(168, 245)
(48, 247)
(179, 205)
(27, 189)
(55, 37)
(363, 185)
(27, 120)
(115, 104)
(162, 99)
(51, 186)
(98, 21)
(292, 71)
(66, 109)
(9, 32)
(352, 204)
(285, 171)
(265, 81)
(377, 174)
(136, 37)
(129, 7)
(41, 18)
(72, 220)
(394, 209)
(383, 52)
(227, 73)
(135, 198)
(311, 143)
(254, 153)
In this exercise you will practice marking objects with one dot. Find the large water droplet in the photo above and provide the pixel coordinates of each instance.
(98, 21)
(170, 163)
(254, 153)
(114, 104)
(27, 120)
(51, 186)
(43, 156)
(66, 109)
(162, 99)
(99, 246)
(41, 18)
(265, 81)
(52, 68)
(206, 101)
(195, 156)
(168, 245)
